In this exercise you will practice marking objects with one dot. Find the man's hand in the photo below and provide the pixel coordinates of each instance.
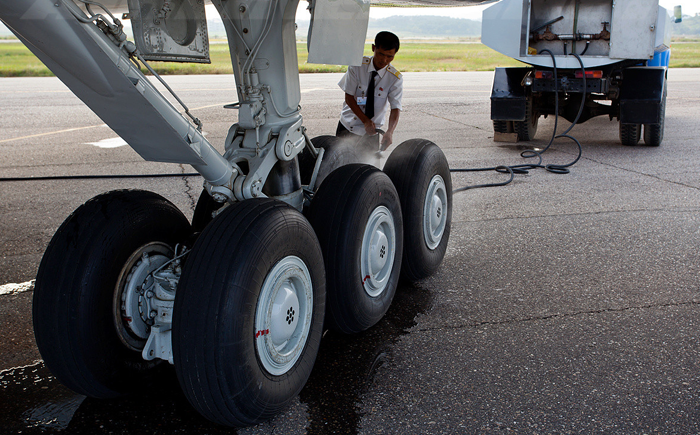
(370, 128)
(387, 140)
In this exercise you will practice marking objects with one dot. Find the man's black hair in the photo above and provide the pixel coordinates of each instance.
(386, 41)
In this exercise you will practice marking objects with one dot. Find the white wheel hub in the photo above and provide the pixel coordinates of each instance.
(435, 212)
(283, 315)
(378, 251)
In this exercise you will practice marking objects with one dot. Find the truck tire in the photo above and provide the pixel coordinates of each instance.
(527, 129)
(654, 133)
(630, 134)
(357, 217)
(249, 312)
(502, 126)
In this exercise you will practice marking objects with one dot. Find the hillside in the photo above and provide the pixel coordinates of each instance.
(421, 27)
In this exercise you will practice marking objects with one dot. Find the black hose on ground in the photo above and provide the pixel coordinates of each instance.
(528, 154)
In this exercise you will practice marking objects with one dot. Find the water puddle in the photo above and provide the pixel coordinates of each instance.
(347, 364)
(34, 402)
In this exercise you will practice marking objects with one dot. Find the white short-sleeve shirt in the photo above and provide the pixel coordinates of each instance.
(388, 90)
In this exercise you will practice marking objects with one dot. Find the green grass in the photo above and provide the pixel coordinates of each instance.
(17, 61)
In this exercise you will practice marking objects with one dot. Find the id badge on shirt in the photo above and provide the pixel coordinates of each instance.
(361, 101)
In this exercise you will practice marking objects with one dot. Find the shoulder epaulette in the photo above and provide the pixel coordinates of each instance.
(365, 60)
(394, 71)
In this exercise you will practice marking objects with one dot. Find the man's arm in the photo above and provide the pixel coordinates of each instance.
(393, 122)
(370, 128)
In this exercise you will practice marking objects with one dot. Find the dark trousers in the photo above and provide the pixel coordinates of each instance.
(368, 142)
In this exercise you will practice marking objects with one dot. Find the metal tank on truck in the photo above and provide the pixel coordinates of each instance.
(614, 54)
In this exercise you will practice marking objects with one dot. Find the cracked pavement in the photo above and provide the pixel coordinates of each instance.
(565, 304)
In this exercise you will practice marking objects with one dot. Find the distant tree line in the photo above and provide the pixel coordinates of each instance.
(689, 26)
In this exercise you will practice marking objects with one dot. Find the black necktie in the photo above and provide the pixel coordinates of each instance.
(369, 109)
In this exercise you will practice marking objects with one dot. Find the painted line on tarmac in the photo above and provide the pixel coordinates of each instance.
(49, 133)
(13, 289)
(68, 130)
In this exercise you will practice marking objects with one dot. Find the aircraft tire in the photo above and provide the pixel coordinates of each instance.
(76, 308)
(249, 312)
(357, 216)
(203, 211)
(337, 153)
(419, 170)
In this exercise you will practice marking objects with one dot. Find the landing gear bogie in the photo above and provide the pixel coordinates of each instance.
(240, 315)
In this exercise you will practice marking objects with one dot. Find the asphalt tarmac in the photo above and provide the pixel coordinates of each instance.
(565, 303)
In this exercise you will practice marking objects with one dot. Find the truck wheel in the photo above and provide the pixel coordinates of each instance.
(337, 153)
(654, 133)
(503, 126)
(630, 133)
(357, 216)
(87, 324)
(421, 175)
(528, 128)
(249, 311)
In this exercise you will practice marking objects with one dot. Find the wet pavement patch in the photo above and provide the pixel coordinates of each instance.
(34, 402)
(347, 364)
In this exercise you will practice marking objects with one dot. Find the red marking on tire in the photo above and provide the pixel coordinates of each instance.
(127, 319)
(262, 332)
(365, 280)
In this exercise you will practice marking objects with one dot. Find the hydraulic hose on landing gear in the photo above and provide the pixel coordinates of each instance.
(528, 154)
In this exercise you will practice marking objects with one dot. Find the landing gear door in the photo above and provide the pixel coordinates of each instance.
(337, 32)
(170, 30)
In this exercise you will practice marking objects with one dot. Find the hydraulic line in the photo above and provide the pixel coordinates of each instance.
(531, 153)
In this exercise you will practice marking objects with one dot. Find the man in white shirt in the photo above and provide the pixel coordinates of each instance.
(369, 89)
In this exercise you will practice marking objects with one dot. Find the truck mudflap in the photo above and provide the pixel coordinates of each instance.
(641, 95)
(508, 97)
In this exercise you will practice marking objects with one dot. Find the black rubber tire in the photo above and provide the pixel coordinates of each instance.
(630, 134)
(527, 129)
(503, 126)
(654, 133)
(413, 167)
(75, 289)
(214, 337)
(203, 211)
(340, 213)
(337, 153)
